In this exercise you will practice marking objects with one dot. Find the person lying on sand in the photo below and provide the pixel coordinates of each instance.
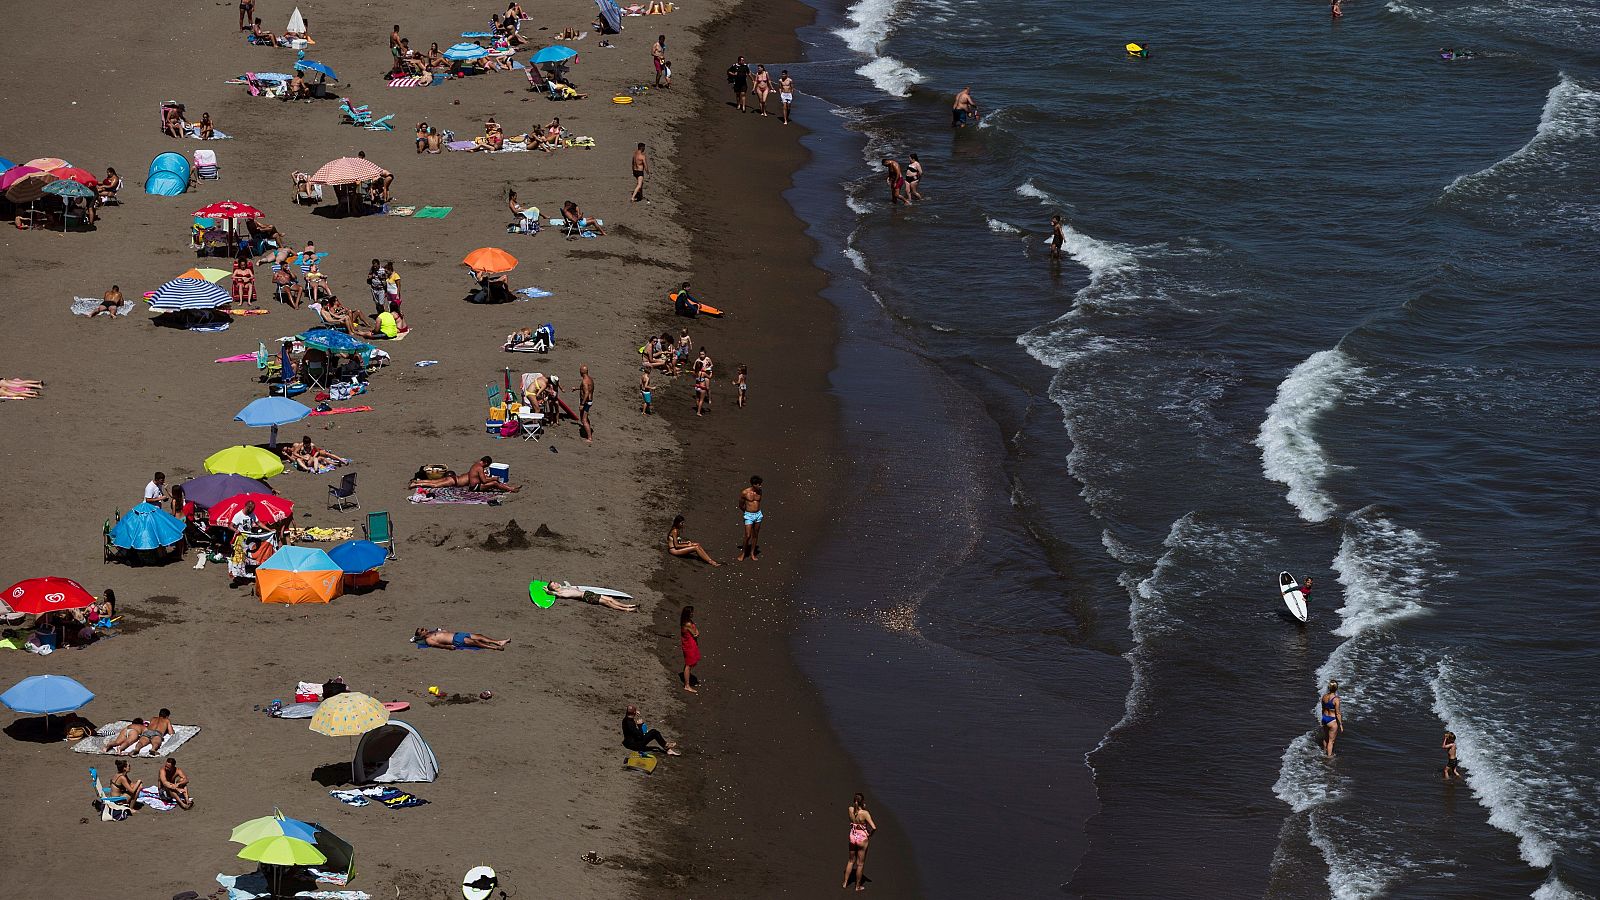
(568, 591)
(456, 640)
(476, 479)
(309, 455)
(637, 736)
(127, 737)
(173, 784)
(155, 731)
(110, 304)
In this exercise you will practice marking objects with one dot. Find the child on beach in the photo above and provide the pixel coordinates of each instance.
(1452, 769)
(740, 384)
(644, 390)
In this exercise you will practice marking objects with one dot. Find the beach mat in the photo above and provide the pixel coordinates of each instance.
(83, 306)
(96, 743)
(432, 212)
(411, 81)
(641, 762)
(454, 495)
(338, 411)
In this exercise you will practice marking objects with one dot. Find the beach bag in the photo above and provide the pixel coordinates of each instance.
(510, 429)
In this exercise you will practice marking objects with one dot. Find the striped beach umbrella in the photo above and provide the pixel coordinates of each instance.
(47, 163)
(188, 293)
(348, 714)
(465, 52)
(348, 170)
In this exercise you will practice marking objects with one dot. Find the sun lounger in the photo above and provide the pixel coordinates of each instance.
(381, 124)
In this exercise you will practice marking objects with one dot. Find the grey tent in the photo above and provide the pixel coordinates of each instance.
(393, 752)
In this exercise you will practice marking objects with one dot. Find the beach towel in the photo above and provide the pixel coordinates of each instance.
(151, 798)
(83, 306)
(454, 495)
(298, 711)
(320, 535)
(349, 798)
(411, 81)
(254, 886)
(402, 211)
(98, 741)
(340, 410)
(247, 312)
(243, 357)
(461, 145)
(330, 878)
(218, 326)
(433, 212)
(194, 132)
(528, 292)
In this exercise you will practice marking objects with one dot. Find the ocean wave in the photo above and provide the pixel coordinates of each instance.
(1101, 258)
(1385, 569)
(891, 76)
(857, 259)
(1420, 13)
(857, 205)
(1554, 889)
(1290, 453)
(1033, 192)
(869, 24)
(1571, 113)
(999, 227)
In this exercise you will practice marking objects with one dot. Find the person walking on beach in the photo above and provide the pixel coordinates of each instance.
(963, 109)
(644, 390)
(585, 401)
(247, 9)
(861, 829)
(741, 384)
(750, 509)
(1058, 237)
(1452, 768)
(785, 93)
(913, 178)
(641, 168)
(658, 56)
(895, 179)
(678, 545)
(1332, 718)
(691, 648)
(763, 89)
(739, 80)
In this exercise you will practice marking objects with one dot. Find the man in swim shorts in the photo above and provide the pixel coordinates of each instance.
(963, 109)
(658, 56)
(644, 390)
(750, 508)
(1452, 768)
(786, 93)
(641, 166)
(895, 178)
(739, 80)
(456, 640)
(586, 401)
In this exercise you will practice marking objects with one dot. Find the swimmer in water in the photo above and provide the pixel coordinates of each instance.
(1332, 718)
(1058, 237)
(1337, 10)
(1452, 769)
(963, 109)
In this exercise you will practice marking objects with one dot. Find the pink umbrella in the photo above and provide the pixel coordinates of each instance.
(349, 170)
(28, 187)
(15, 174)
(47, 163)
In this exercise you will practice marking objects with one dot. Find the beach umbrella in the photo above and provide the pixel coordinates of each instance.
(270, 412)
(211, 275)
(66, 187)
(348, 714)
(490, 259)
(554, 54)
(311, 65)
(25, 184)
(37, 596)
(47, 163)
(251, 462)
(46, 695)
(16, 173)
(283, 850)
(229, 209)
(209, 490)
(270, 509)
(146, 527)
(465, 52)
(6, 164)
(72, 173)
(299, 575)
(347, 170)
(275, 825)
(272, 76)
(330, 341)
(297, 22)
(188, 293)
(355, 557)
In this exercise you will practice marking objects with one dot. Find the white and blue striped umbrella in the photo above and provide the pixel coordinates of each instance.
(465, 52)
(188, 293)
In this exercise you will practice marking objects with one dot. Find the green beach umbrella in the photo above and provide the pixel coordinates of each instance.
(283, 850)
(275, 825)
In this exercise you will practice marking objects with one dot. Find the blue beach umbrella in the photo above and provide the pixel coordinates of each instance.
(6, 164)
(290, 558)
(477, 34)
(465, 52)
(328, 340)
(553, 54)
(146, 527)
(272, 76)
(311, 65)
(188, 293)
(46, 695)
(355, 557)
(209, 490)
(270, 412)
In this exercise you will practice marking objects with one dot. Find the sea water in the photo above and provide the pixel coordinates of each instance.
(1326, 304)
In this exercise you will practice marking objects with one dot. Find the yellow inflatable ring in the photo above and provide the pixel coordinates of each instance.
(622, 101)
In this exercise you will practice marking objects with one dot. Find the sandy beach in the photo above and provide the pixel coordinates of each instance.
(531, 779)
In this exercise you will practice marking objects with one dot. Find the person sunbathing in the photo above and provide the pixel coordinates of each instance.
(456, 640)
(261, 35)
(155, 731)
(126, 785)
(568, 591)
(207, 130)
(310, 456)
(422, 133)
(677, 545)
(317, 283)
(110, 304)
(345, 315)
(109, 185)
(435, 141)
(283, 278)
(436, 61)
(127, 737)
(575, 221)
(172, 123)
(477, 479)
(173, 784)
(297, 89)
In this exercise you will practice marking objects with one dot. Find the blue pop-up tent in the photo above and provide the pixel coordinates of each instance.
(169, 175)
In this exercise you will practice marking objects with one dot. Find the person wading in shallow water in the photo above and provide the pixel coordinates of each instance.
(1452, 769)
(1332, 718)
(861, 829)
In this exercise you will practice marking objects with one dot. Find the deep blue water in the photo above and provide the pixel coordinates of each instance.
(1329, 304)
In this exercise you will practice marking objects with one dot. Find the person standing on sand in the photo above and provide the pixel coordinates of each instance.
(1332, 718)
(155, 493)
(691, 648)
(750, 508)
(247, 9)
(641, 168)
(785, 93)
(861, 829)
(741, 384)
(644, 390)
(1452, 769)
(585, 401)
(739, 80)
(658, 56)
(963, 109)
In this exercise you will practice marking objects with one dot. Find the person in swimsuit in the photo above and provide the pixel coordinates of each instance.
(763, 88)
(110, 303)
(861, 829)
(152, 734)
(644, 390)
(677, 545)
(244, 279)
(641, 167)
(658, 56)
(963, 109)
(568, 591)
(785, 93)
(896, 180)
(123, 743)
(739, 80)
(1332, 718)
(691, 648)
(1058, 237)
(913, 178)
(1337, 9)
(750, 509)
(1452, 769)
(585, 403)
(741, 384)
(207, 130)
(125, 785)
(247, 9)
(173, 784)
(456, 640)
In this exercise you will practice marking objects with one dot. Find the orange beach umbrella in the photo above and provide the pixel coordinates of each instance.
(490, 259)
(298, 575)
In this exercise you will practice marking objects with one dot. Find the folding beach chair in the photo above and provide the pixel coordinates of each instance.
(355, 115)
(530, 423)
(205, 165)
(380, 530)
(343, 495)
(112, 807)
(381, 124)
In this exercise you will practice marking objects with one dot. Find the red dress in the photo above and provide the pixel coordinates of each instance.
(691, 649)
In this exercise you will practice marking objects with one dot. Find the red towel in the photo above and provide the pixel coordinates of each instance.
(342, 409)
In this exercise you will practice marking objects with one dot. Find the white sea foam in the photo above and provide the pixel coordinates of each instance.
(857, 260)
(1290, 453)
(1420, 13)
(1033, 192)
(1101, 258)
(891, 76)
(1554, 889)
(869, 24)
(857, 205)
(999, 227)
(1385, 569)
(1571, 113)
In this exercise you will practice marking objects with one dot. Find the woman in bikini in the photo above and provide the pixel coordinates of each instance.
(207, 130)
(763, 88)
(677, 545)
(691, 648)
(1332, 718)
(861, 829)
(244, 279)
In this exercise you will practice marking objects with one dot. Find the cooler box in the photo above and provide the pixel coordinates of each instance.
(500, 472)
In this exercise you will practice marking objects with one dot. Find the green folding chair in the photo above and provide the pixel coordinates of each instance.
(380, 530)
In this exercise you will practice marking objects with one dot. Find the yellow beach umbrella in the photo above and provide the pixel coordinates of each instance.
(283, 850)
(251, 462)
(348, 714)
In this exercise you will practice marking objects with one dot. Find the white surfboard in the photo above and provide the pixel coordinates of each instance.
(605, 592)
(1292, 598)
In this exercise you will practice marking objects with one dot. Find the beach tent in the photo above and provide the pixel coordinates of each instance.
(611, 14)
(393, 752)
(169, 175)
(299, 575)
(147, 527)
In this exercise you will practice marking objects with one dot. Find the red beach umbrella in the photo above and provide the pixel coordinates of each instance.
(270, 509)
(72, 173)
(37, 596)
(229, 209)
